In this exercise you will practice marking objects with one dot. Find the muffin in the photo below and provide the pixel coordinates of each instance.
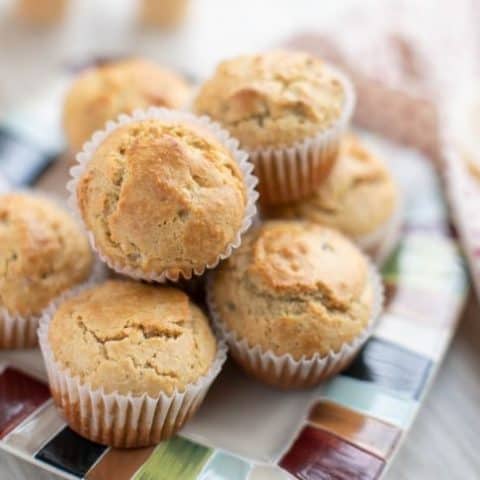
(43, 253)
(123, 348)
(359, 198)
(295, 302)
(288, 110)
(165, 196)
(41, 12)
(163, 13)
(102, 93)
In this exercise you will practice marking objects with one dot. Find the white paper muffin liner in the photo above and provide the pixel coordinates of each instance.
(287, 174)
(381, 243)
(119, 420)
(170, 116)
(284, 371)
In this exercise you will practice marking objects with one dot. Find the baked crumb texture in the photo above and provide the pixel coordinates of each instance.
(43, 253)
(162, 198)
(294, 288)
(132, 338)
(357, 198)
(273, 99)
(103, 93)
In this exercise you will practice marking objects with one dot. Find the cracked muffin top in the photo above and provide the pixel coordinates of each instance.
(43, 252)
(294, 287)
(272, 99)
(162, 198)
(130, 337)
(358, 197)
(102, 93)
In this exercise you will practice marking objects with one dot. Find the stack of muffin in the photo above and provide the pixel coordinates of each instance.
(167, 195)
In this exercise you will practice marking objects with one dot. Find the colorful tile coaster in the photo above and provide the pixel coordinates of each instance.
(20, 396)
(371, 434)
(71, 453)
(319, 455)
(176, 458)
(356, 419)
(392, 366)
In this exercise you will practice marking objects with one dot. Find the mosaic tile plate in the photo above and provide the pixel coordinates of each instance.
(349, 428)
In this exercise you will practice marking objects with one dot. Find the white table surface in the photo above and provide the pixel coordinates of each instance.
(443, 442)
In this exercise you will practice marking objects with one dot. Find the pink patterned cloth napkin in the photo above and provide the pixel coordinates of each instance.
(406, 58)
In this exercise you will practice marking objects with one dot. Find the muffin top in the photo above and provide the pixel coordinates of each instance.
(162, 198)
(102, 93)
(130, 337)
(273, 99)
(357, 198)
(43, 252)
(294, 287)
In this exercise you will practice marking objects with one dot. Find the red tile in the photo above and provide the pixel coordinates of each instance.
(319, 455)
(20, 395)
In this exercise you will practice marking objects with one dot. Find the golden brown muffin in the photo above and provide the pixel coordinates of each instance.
(294, 288)
(163, 13)
(273, 99)
(162, 198)
(43, 252)
(357, 198)
(41, 12)
(101, 94)
(132, 338)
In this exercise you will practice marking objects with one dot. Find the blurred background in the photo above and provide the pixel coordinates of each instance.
(425, 49)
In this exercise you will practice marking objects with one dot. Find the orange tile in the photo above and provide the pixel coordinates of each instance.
(120, 464)
(368, 433)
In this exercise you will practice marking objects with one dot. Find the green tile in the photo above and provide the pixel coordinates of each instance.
(223, 466)
(427, 261)
(174, 459)
(371, 399)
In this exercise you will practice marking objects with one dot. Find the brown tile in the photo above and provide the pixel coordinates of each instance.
(369, 433)
(119, 464)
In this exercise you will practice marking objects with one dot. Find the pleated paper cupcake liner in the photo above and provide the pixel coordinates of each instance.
(380, 244)
(287, 174)
(284, 371)
(119, 420)
(170, 116)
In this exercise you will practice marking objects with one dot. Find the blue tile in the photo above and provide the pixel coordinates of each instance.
(371, 399)
(223, 466)
(391, 366)
(70, 452)
(21, 162)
